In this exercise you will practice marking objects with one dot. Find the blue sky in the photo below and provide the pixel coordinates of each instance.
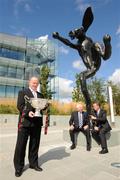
(35, 18)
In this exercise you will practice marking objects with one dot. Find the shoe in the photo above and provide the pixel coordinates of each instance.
(103, 151)
(36, 168)
(72, 146)
(18, 173)
(88, 148)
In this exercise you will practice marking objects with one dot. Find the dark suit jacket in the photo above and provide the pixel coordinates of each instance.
(101, 120)
(24, 109)
(75, 121)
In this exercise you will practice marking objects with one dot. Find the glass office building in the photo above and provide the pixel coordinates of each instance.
(21, 58)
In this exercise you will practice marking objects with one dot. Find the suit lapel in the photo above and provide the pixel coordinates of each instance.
(29, 93)
(98, 115)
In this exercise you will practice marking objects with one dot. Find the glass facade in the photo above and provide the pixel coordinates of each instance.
(21, 58)
(12, 54)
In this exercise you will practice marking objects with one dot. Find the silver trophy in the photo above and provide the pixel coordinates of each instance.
(37, 103)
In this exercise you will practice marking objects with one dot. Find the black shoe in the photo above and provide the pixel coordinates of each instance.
(18, 173)
(88, 148)
(36, 168)
(103, 151)
(72, 146)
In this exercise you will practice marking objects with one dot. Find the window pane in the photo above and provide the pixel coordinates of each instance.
(3, 71)
(17, 89)
(2, 91)
(9, 91)
(12, 54)
(20, 73)
(12, 72)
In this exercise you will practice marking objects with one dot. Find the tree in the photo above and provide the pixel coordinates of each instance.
(77, 94)
(44, 88)
(96, 89)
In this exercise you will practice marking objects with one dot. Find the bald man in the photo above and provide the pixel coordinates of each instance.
(79, 123)
(29, 126)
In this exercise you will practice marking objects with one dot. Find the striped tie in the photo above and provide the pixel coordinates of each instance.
(80, 119)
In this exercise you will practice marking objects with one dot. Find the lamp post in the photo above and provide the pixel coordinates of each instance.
(114, 164)
(110, 97)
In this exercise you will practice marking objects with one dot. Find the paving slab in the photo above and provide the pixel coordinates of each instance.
(57, 160)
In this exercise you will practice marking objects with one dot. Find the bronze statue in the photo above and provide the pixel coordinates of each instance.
(90, 52)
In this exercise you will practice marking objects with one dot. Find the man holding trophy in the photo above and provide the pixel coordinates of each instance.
(30, 104)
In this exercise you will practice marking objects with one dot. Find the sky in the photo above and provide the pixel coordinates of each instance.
(35, 18)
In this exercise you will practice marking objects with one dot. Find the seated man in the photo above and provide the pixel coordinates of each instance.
(100, 127)
(79, 123)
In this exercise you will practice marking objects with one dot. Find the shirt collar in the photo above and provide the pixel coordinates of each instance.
(32, 90)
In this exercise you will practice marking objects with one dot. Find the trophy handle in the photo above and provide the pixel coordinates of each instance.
(27, 99)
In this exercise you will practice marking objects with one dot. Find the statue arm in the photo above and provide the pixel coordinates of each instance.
(106, 52)
(63, 40)
(108, 48)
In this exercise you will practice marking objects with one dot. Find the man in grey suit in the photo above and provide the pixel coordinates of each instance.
(101, 126)
(79, 123)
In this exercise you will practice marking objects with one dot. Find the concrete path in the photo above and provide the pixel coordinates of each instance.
(57, 160)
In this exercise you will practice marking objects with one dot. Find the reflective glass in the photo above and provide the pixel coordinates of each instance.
(17, 89)
(12, 72)
(3, 71)
(20, 73)
(12, 54)
(9, 91)
(2, 91)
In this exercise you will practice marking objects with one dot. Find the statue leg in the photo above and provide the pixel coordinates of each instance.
(85, 92)
(83, 77)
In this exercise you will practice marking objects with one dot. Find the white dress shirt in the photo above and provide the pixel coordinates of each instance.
(33, 92)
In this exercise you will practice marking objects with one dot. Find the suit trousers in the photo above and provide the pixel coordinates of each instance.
(33, 133)
(74, 134)
(100, 137)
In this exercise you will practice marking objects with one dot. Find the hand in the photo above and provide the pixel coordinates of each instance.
(31, 114)
(85, 127)
(55, 35)
(93, 117)
(106, 38)
(71, 127)
(96, 128)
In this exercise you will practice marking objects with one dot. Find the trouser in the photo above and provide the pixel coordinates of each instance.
(34, 134)
(100, 137)
(74, 134)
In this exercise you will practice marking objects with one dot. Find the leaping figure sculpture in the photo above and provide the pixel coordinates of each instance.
(90, 52)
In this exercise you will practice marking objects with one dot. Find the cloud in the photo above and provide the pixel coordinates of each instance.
(63, 50)
(115, 77)
(78, 64)
(65, 88)
(43, 38)
(22, 31)
(19, 31)
(27, 7)
(65, 100)
(81, 5)
(21, 4)
(118, 34)
(118, 30)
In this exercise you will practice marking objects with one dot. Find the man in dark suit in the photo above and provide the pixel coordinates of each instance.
(100, 127)
(28, 126)
(79, 123)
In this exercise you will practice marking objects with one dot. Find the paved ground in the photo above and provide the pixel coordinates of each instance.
(57, 160)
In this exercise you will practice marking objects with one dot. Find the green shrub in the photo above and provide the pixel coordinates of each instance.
(8, 109)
